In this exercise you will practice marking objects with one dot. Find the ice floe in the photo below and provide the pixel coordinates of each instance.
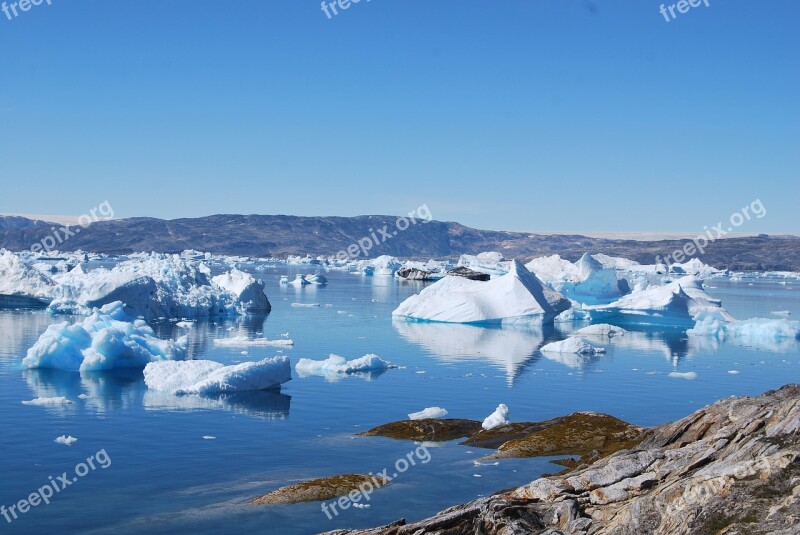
(517, 297)
(106, 339)
(429, 412)
(336, 366)
(244, 341)
(66, 440)
(56, 401)
(497, 418)
(209, 377)
(573, 345)
(601, 330)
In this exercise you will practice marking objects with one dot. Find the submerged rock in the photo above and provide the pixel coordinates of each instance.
(733, 467)
(427, 429)
(316, 490)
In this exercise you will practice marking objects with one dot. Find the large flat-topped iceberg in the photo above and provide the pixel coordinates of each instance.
(105, 340)
(676, 303)
(517, 297)
(209, 377)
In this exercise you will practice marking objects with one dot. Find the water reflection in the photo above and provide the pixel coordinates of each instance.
(266, 404)
(508, 349)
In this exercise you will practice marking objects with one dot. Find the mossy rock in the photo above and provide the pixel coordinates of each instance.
(585, 434)
(428, 429)
(316, 490)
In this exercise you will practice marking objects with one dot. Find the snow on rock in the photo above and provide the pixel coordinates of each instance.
(22, 285)
(158, 286)
(497, 418)
(48, 402)
(601, 329)
(107, 339)
(247, 290)
(243, 341)
(573, 345)
(517, 297)
(208, 377)
(677, 302)
(66, 440)
(429, 412)
(335, 365)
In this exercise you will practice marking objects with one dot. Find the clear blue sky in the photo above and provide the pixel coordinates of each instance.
(522, 115)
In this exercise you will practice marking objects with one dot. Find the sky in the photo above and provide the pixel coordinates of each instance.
(530, 115)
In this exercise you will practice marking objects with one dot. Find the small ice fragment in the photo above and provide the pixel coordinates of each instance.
(429, 412)
(66, 440)
(691, 376)
(733, 372)
(48, 402)
(209, 437)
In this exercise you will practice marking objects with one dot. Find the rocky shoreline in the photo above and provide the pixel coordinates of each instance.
(730, 468)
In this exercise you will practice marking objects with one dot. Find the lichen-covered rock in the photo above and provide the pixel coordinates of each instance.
(315, 490)
(427, 429)
(731, 468)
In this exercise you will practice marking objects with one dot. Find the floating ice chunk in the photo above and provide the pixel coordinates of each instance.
(305, 305)
(781, 313)
(429, 412)
(573, 345)
(758, 332)
(66, 440)
(601, 329)
(185, 325)
(335, 365)
(22, 285)
(675, 303)
(209, 437)
(733, 372)
(691, 376)
(157, 286)
(248, 291)
(49, 402)
(515, 297)
(243, 341)
(208, 377)
(497, 418)
(105, 340)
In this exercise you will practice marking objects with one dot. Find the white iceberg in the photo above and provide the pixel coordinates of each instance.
(105, 340)
(490, 262)
(335, 366)
(675, 303)
(517, 297)
(586, 280)
(22, 285)
(385, 265)
(244, 341)
(756, 332)
(497, 418)
(573, 345)
(159, 286)
(208, 377)
(602, 330)
(248, 291)
(429, 412)
(56, 401)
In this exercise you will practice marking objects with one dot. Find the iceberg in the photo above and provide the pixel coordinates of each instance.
(385, 265)
(248, 291)
(244, 341)
(209, 377)
(573, 345)
(497, 418)
(159, 286)
(675, 303)
(765, 333)
(105, 340)
(517, 297)
(22, 285)
(429, 412)
(491, 263)
(586, 280)
(601, 329)
(336, 367)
